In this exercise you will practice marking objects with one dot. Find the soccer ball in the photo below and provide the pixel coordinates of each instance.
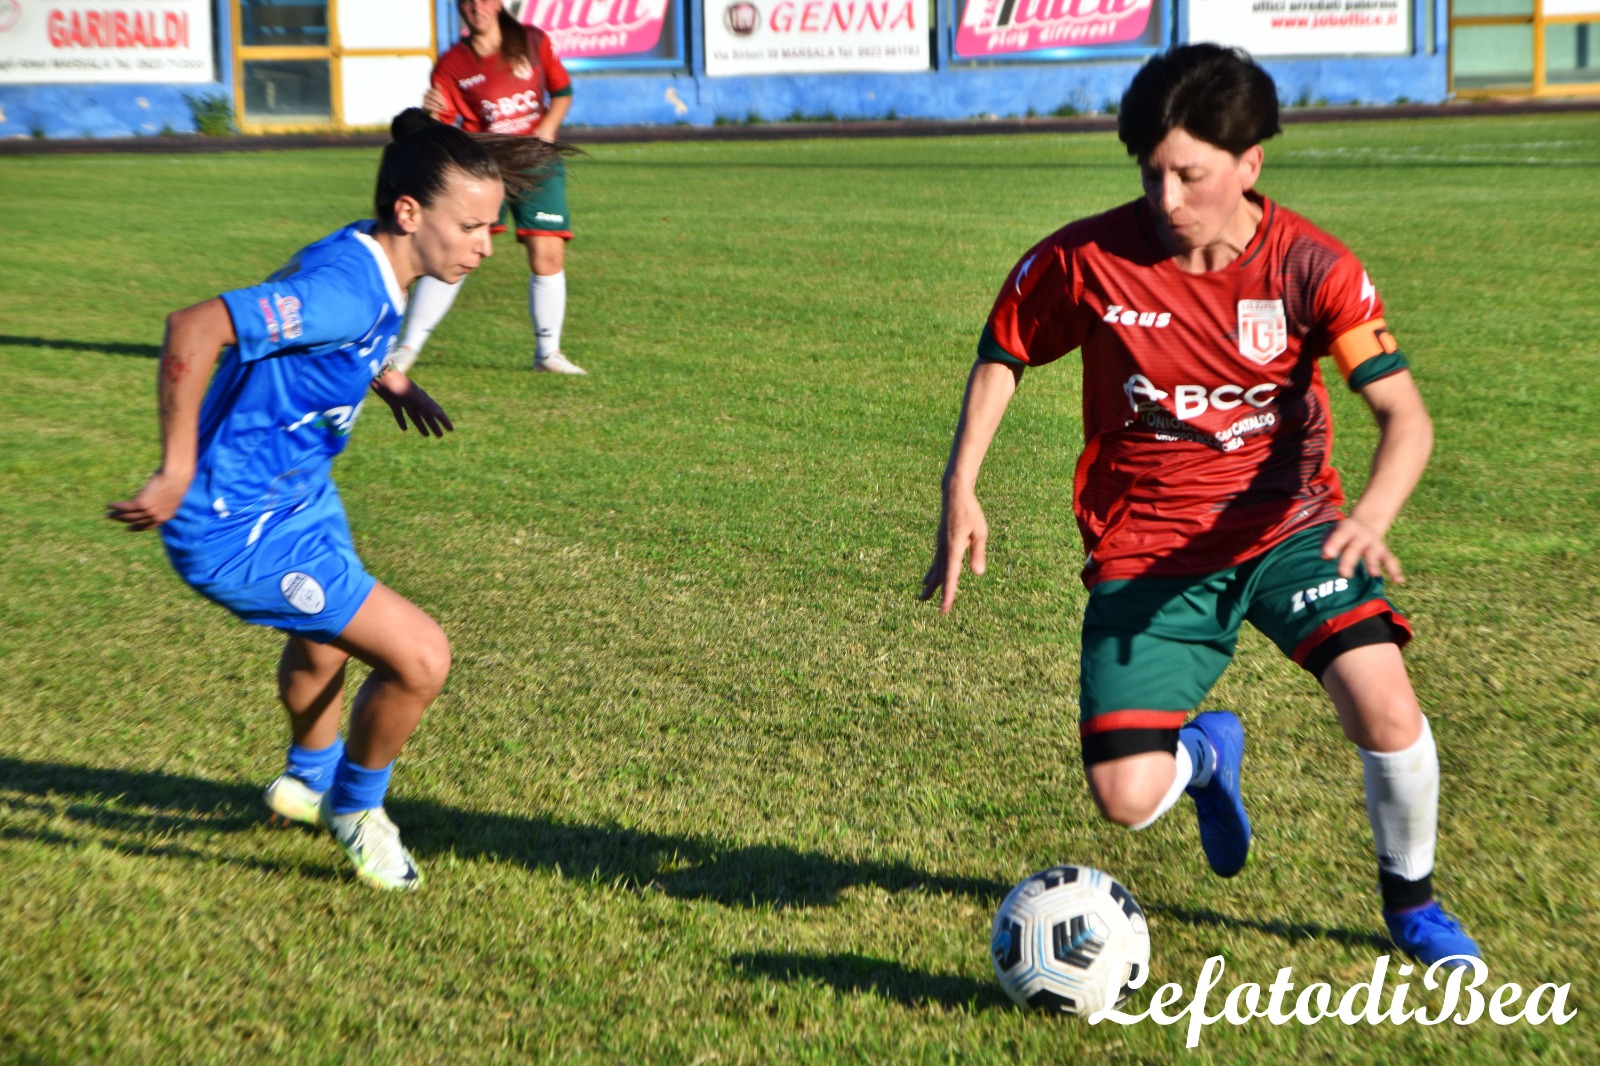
(1069, 939)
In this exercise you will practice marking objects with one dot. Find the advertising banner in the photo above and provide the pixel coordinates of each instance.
(106, 41)
(602, 29)
(1005, 27)
(815, 36)
(1557, 8)
(1305, 27)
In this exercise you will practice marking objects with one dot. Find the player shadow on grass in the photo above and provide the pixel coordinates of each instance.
(1288, 931)
(141, 811)
(848, 972)
(146, 351)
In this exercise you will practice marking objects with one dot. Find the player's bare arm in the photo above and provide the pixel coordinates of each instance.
(194, 337)
(1405, 441)
(962, 526)
(549, 128)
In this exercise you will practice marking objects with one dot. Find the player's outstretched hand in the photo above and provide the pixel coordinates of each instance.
(1353, 541)
(433, 102)
(962, 528)
(405, 397)
(156, 502)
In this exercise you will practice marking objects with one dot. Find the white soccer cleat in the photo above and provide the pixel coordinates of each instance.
(373, 843)
(291, 800)
(556, 363)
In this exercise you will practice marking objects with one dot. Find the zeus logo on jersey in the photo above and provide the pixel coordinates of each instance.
(1192, 401)
(1118, 315)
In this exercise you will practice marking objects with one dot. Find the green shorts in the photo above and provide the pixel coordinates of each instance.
(542, 212)
(1152, 648)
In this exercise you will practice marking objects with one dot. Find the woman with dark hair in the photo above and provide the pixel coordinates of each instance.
(504, 78)
(1203, 493)
(244, 495)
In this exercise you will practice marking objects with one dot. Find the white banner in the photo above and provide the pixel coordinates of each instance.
(106, 41)
(1571, 7)
(1305, 27)
(810, 36)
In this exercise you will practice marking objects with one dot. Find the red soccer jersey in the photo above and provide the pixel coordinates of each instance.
(489, 96)
(1206, 423)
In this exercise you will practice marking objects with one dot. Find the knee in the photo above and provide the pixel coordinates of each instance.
(1126, 809)
(427, 665)
(1127, 799)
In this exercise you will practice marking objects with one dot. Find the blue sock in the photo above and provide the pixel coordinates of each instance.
(315, 768)
(1202, 756)
(355, 788)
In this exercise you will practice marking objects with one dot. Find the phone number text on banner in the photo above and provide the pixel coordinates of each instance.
(815, 36)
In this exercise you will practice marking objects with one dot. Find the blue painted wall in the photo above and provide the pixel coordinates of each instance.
(953, 90)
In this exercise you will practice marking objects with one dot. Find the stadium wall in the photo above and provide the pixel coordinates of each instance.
(952, 89)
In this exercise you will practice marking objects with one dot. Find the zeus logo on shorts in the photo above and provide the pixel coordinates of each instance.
(302, 592)
(1311, 595)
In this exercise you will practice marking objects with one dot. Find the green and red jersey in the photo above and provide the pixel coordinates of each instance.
(490, 96)
(1206, 422)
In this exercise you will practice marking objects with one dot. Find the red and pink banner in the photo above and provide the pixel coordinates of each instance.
(999, 27)
(580, 29)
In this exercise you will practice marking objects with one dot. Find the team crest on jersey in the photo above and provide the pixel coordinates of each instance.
(1263, 330)
(302, 592)
(522, 70)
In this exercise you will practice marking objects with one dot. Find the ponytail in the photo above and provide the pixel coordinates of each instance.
(418, 161)
(513, 42)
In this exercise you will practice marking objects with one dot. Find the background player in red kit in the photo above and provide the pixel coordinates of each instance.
(1203, 493)
(505, 78)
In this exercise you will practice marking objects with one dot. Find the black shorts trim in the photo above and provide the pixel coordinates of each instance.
(1120, 743)
(1375, 630)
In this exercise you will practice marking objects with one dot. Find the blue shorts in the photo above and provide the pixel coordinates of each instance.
(301, 576)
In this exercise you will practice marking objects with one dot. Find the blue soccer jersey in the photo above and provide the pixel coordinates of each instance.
(261, 529)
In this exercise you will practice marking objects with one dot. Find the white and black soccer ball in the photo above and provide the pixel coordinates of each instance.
(1069, 939)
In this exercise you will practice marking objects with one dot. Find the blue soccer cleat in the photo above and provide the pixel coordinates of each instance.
(1429, 934)
(1224, 825)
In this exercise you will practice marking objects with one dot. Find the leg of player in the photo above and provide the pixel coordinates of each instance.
(430, 302)
(311, 686)
(1135, 790)
(1380, 715)
(410, 658)
(547, 301)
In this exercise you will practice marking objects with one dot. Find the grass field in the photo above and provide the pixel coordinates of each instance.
(707, 783)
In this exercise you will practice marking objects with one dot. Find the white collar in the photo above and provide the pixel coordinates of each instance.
(397, 295)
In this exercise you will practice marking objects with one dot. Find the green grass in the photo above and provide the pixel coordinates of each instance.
(707, 783)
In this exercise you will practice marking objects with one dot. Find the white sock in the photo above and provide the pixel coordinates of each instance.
(430, 300)
(547, 306)
(1403, 806)
(1183, 771)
